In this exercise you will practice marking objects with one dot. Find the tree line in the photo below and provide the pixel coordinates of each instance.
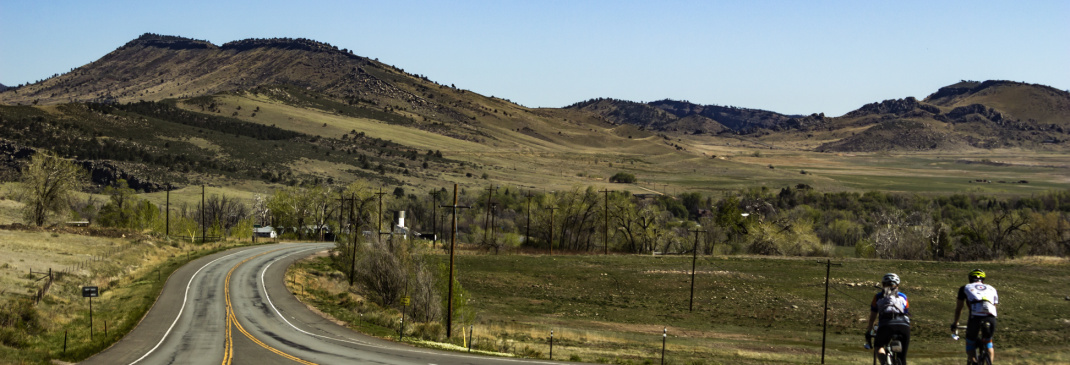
(794, 220)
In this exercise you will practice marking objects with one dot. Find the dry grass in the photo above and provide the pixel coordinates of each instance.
(10, 211)
(40, 251)
(129, 269)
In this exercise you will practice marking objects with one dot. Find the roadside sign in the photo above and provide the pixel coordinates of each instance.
(405, 300)
(89, 291)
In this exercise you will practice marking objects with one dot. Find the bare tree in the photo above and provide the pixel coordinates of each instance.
(322, 207)
(87, 209)
(261, 213)
(578, 212)
(48, 183)
(225, 212)
(381, 274)
(1007, 226)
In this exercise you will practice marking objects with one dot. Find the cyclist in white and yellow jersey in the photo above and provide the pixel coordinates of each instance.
(982, 300)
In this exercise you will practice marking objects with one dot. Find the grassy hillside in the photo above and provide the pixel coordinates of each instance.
(1043, 104)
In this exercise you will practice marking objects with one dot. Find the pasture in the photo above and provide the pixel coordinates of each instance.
(747, 309)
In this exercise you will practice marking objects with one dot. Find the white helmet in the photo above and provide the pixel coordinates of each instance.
(890, 279)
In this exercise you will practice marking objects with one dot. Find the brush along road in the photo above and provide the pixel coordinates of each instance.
(233, 308)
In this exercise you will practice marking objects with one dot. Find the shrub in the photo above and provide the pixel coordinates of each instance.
(842, 232)
(433, 331)
(796, 239)
(622, 178)
(865, 249)
(18, 320)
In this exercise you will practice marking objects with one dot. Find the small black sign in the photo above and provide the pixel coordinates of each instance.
(89, 291)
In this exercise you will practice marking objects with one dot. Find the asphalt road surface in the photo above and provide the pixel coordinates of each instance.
(233, 308)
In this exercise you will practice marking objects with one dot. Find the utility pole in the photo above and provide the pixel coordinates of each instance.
(379, 230)
(352, 237)
(694, 259)
(551, 229)
(204, 229)
(493, 216)
(341, 212)
(167, 213)
(527, 233)
(453, 244)
(434, 219)
(605, 235)
(825, 320)
(486, 220)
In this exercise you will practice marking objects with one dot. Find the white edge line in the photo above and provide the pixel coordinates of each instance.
(184, 298)
(263, 288)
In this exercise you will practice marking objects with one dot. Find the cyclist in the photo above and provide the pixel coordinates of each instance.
(982, 299)
(893, 311)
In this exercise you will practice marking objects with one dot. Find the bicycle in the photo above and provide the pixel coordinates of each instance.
(892, 349)
(982, 356)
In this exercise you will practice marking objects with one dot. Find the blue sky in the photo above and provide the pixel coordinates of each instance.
(793, 57)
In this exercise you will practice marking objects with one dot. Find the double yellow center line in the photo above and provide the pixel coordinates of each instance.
(232, 321)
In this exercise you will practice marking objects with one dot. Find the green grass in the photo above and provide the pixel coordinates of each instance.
(743, 311)
(747, 310)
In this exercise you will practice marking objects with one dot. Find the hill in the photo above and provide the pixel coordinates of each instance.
(1040, 105)
(296, 110)
(681, 116)
(164, 109)
(982, 115)
(154, 67)
(964, 116)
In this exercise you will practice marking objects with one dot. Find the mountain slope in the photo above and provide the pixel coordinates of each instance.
(681, 116)
(297, 111)
(1032, 103)
(985, 115)
(154, 67)
(349, 117)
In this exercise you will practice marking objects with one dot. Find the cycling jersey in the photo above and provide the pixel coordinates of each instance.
(981, 299)
(891, 311)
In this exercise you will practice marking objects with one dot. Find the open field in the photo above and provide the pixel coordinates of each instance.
(923, 173)
(757, 310)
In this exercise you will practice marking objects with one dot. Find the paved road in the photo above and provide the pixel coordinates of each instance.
(233, 308)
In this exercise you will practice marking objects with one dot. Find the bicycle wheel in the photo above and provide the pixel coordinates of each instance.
(983, 358)
(892, 358)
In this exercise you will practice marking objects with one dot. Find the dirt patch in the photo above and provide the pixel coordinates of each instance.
(1042, 260)
(704, 272)
(650, 328)
(81, 231)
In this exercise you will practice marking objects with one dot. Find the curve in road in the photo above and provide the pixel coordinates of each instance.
(192, 321)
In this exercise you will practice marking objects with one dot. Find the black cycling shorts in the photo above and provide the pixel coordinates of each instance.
(884, 335)
(975, 328)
